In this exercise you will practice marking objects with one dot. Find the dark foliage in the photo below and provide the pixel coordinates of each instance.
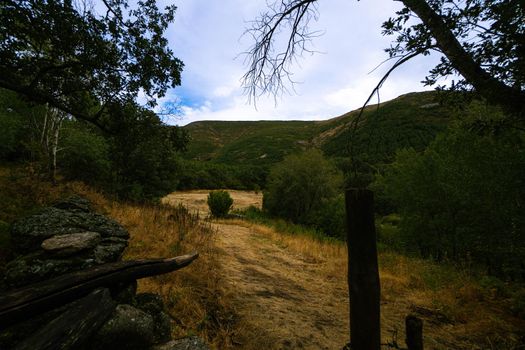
(461, 200)
(220, 203)
(138, 160)
(304, 188)
(68, 55)
(211, 175)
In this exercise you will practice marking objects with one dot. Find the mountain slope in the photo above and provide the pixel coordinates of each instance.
(411, 120)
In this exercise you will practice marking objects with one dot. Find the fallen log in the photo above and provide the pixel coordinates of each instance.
(75, 325)
(26, 302)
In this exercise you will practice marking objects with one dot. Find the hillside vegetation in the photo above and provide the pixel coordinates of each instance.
(411, 120)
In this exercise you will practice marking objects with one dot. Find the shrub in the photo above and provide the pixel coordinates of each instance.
(220, 203)
(300, 186)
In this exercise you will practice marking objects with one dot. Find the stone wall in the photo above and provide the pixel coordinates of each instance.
(70, 236)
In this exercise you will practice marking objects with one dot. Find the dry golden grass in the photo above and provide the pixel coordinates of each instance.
(194, 296)
(457, 311)
(196, 200)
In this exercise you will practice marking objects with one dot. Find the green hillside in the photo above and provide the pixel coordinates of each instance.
(411, 120)
(257, 142)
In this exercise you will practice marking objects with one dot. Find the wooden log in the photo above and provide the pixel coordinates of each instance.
(414, 332)
(28, 301)
(75, 325)
(363, 273)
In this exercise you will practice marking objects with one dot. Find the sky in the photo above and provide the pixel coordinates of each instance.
(207, 35)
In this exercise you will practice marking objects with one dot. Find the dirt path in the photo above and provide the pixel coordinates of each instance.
(290, 292)
(283, 294)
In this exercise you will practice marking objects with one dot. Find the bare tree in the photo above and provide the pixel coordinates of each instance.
(268, 68)
(48, 129)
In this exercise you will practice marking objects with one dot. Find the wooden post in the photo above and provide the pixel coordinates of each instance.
(363, 272)
(414, 332)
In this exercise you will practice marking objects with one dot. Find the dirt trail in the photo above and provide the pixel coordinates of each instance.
(283, 294)
(291, 292)
(286, 298)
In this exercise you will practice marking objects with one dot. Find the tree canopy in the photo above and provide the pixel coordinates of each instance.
(82, 58)
(460, 199)
(482, 40)
(300, 185)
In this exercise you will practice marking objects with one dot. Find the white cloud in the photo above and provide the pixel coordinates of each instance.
(207, 36)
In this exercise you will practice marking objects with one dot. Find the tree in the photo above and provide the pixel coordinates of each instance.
(482, 40)
(143, 151)
(67, 55)
(84, 153)
(461, 199)
(300, 186)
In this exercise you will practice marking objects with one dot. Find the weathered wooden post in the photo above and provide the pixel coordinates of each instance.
(363, 272)
(414, 332)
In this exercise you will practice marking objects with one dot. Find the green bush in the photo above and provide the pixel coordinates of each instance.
(300, 186)
(330, 219)
(220, 203)
(388, 231)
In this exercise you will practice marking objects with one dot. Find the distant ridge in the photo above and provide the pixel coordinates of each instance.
(410, 120)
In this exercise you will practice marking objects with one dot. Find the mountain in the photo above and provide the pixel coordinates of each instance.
(411, 120)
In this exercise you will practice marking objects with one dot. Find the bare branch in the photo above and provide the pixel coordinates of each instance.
(268, 68)
(375, 91)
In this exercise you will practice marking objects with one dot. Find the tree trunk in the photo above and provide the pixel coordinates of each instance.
(53, 147)
(512, 100)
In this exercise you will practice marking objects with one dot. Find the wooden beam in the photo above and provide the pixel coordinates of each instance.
(363, 272)
(72, 328)
(40, 297)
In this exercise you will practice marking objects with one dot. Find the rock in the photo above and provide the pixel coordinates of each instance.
(124, 293)
(36, 267)
(28, 233)
(128, 328)
(74, 203)
(65, 245)
(149, 302)
(59, 240)
(190, 343)
(162, 327)
(70, 237)
(110, 249)
(18, 332)
(154, 306)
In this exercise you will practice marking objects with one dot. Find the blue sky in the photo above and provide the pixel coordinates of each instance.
(207, 37)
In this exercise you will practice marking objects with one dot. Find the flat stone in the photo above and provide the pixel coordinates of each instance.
(28, 233)
(69, 244)
(74, 203)
(190, 343)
